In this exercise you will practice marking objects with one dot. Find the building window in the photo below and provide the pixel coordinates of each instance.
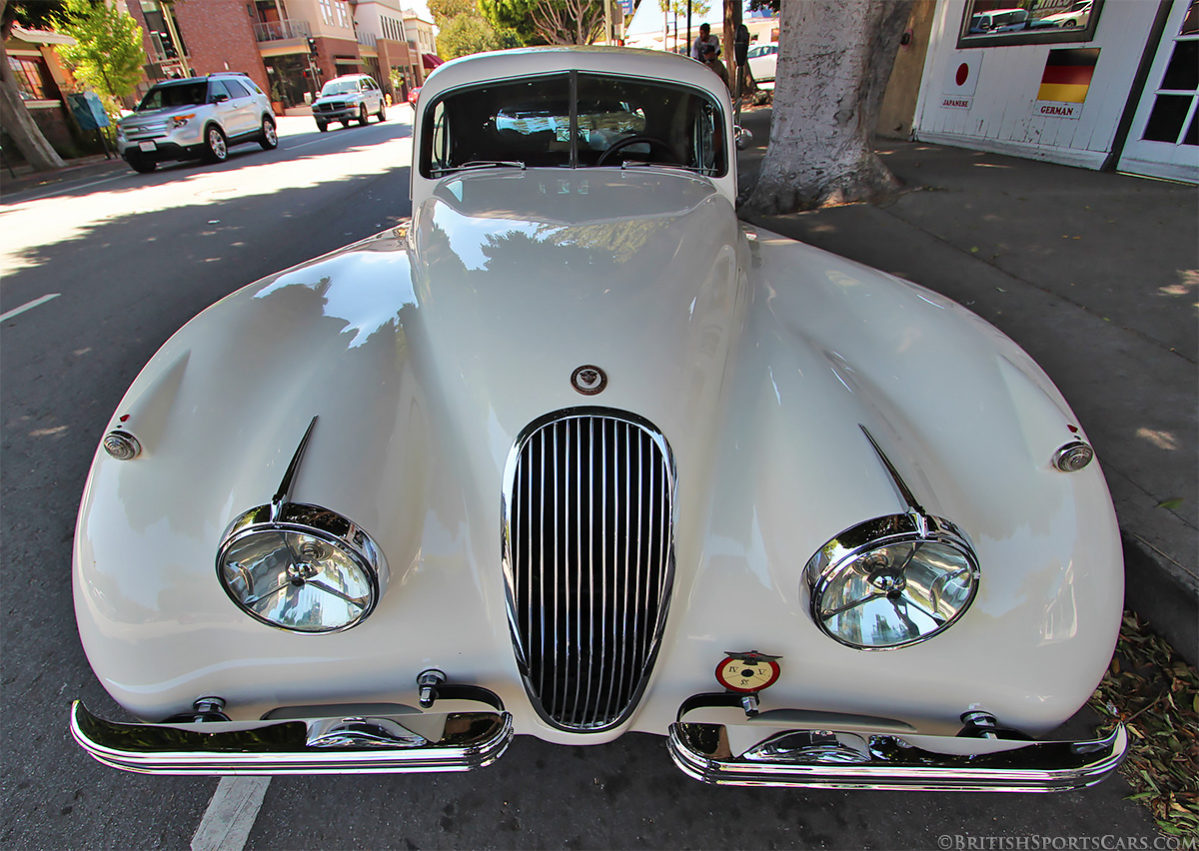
(987, 23)
(393, 29)
(30, 75)
(335, 13)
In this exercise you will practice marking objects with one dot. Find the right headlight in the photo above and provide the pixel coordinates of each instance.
(307, 570)
(892, 581)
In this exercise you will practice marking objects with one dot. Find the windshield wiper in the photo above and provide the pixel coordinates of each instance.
(646, 163)
(438, 172)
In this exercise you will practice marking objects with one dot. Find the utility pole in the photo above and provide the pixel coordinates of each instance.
(688, 27)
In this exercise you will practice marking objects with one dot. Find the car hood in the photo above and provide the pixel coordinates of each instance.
(539, 272)
(348, 96)
(155, 114)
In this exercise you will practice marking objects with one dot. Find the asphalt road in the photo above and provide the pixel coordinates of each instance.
(128, 259)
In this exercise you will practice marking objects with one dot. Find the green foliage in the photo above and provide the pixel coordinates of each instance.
(509, 38)
(571, 21)
(445, 11)
(699, 8)
(32, 14)
(463, 35)
(513, 16)
(107, 56)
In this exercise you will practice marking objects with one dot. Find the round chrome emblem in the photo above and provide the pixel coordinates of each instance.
(122, 445)
(589, 380)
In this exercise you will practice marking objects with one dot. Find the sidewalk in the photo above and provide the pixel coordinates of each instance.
(25, 177)
(1096, 276)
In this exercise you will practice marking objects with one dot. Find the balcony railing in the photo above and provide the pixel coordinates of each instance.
(280, 30)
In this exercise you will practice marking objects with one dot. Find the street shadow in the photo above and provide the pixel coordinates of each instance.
(245, 155)
(127, 284)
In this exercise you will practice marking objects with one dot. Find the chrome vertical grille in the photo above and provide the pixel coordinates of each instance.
(589, 555)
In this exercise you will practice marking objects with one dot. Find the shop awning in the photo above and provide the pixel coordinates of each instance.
(430, 61)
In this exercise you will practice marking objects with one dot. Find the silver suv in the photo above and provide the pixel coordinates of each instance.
(354, 96)
(194, 118)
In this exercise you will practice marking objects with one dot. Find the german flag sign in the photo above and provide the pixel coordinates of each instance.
(1068, 75)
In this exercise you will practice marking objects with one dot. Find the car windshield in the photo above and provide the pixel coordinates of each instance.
(174, 94)
(339, 87)
(616, 120)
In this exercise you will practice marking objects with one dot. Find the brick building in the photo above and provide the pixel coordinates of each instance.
(289, 47)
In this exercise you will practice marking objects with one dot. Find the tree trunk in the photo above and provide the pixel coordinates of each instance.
(732, 20)
(835, 57)
(15, 118)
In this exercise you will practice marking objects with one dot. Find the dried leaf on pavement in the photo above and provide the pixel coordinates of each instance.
(1156, 694)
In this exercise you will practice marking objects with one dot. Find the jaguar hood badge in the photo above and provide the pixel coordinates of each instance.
(589, 380)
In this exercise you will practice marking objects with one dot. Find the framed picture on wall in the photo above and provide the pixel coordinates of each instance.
(987, 23)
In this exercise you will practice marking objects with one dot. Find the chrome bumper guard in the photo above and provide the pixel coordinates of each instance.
(417, 742)
(823, 759)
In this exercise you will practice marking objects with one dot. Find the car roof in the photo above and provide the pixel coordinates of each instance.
(624, 61)
(181, 80)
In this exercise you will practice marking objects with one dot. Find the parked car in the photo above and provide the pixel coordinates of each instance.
(999, 21)
(348, 98)
(575, 452)
(762, 59)
(194, 118)
(413, 94)
(1076, 16)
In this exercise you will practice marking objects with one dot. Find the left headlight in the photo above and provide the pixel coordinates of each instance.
(308, 570)
(892, 581)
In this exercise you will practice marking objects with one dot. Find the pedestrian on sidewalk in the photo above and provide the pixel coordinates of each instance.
(704, 38)
(709, 59)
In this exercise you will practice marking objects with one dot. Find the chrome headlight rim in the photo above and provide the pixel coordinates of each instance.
(844, 549)
(321, 523)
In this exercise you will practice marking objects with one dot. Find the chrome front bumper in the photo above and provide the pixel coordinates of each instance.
(822, 759)
(418, 742)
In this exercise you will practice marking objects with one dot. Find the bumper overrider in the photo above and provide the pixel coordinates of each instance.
(462, 741)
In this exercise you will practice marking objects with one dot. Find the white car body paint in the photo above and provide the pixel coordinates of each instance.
(425, 351)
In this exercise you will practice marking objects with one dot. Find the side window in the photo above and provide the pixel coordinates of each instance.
(440, 155)
(215, 89)
(236, 89)
(707, 138)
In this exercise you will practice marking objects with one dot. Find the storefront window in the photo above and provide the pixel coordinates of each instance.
(290, 78)
(999, 22)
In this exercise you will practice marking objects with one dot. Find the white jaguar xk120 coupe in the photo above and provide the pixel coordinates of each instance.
(576, 452)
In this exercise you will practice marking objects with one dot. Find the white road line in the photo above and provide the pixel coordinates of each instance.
(230, 815)
(60, 190)
(17, 311)
(304, 144)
